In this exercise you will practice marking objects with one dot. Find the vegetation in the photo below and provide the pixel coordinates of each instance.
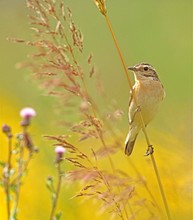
(89, 154)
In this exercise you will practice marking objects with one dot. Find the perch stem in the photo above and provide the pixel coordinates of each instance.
(143, 124)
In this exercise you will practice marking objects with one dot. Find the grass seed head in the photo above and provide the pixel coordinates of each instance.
(101, 6)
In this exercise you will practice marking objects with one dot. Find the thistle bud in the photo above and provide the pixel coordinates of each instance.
(7, 130)
(59, 150)
(27, 114)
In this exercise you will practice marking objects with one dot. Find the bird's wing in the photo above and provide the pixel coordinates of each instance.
(131, 95)
(131, 104)
(130, 98)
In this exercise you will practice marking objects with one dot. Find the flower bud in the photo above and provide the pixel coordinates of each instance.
(27, 113)
(7, 130)
(59, 150)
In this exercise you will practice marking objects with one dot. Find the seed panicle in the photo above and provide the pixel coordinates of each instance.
(101, 6)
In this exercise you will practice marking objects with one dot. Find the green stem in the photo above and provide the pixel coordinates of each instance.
(25, 167)
(20, 174)
(8, 176)
(18, 182)
(54, 204)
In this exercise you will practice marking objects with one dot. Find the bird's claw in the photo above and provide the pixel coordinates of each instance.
(138, 109)
(149, 151)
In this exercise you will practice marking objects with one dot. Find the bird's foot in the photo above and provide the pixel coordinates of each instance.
(149, 151)
(138, 109)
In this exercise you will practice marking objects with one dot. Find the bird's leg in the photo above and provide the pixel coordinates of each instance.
(150, 150)
(138, 109)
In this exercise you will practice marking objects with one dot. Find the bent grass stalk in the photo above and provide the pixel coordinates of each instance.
(85, 95)
(102, 8)
(94, 111)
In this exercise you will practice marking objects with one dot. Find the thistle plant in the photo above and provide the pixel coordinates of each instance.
(59, 150)
(59, 47)
(15, 167)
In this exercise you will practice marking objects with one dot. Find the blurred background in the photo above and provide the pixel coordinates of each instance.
(157, 32)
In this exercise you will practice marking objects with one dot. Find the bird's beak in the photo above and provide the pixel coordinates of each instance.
(132, 68)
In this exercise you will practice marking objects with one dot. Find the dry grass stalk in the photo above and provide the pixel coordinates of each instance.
(150, 148)
(98, 184)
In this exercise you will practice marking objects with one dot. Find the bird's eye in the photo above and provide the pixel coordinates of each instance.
(145, 68)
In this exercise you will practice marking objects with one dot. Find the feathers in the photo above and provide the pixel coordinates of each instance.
(146, 97)
(129, 147)
(130, 140)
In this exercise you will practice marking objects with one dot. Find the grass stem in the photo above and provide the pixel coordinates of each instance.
(143, 124)
(161, 187)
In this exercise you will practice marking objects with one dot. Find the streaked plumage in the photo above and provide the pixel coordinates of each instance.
(149, 94)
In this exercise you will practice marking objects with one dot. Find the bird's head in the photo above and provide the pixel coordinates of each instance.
(144, 71)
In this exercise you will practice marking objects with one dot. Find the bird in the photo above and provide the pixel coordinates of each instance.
(149, 94)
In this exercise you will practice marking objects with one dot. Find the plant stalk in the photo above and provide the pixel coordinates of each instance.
(143, 124)
(54, 204)
(161, 187)
(8, 176)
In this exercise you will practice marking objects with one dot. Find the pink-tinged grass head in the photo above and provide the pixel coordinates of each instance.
(27, 113)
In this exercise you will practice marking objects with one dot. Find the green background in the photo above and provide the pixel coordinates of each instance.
(157, 32)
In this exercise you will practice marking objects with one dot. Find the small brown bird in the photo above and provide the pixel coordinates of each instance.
(149, 93)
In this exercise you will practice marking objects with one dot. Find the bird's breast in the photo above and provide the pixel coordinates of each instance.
(149, 95)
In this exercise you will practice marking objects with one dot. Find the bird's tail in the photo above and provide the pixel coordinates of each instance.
(130, 140)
